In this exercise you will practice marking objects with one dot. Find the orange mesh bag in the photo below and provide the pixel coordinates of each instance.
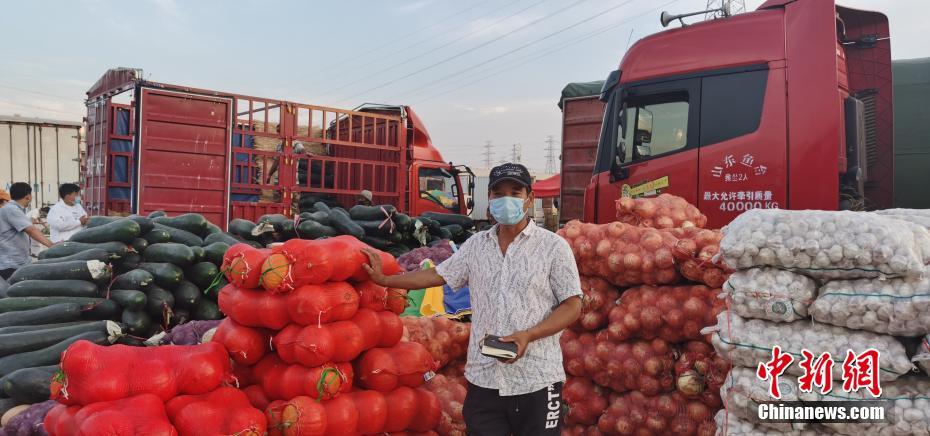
(599, 298)
(665, 414)
(281, 381)
(384, 369)
(586, 401)
(92, 373)
(663, 212)
(445, 339)
(246, 345)
(254, 308)
(622, 254)
(451, 396)
(671, 313)
(695, 253)
(320, 304)
(298, 416)
(139, 415)
(242, 265)
(226, 411)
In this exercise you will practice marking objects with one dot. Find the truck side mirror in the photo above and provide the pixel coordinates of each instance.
(643, 133)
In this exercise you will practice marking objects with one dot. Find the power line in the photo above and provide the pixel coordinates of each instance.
(516, 153)
(433, 50)
(36, 107)
(542, 54)
(60, 97)
(354, 56)
(436, 64)
(536, 41)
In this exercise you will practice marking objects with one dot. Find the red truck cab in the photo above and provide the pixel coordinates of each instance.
(789, 106)
(155, 146)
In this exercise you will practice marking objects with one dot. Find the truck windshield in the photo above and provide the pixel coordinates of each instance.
(439, 186)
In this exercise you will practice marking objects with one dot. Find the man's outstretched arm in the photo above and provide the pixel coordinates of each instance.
(423, 279)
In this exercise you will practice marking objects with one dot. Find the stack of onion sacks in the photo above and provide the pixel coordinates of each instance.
(700, 372)
(663, 212)
(599, 298)
(694, 253)
(622, 254)
(671, 313)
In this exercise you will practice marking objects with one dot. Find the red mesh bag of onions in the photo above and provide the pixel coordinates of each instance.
(646, 366)
(446, 340)
(671, 313)
(574, 349)
(663, 212)
(581, 430)
(635, 413)
(622, 254)
(599, 298)
(694, 253)
(699, 373)
(451, 395)
(586, 401)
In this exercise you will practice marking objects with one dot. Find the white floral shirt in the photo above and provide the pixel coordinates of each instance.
(512, 293)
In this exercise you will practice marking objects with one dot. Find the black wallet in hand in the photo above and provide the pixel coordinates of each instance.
(493, 347)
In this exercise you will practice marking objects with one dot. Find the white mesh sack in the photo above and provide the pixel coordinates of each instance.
(899, 307)
(920, 217)
(743, 391)
(822, 244)
(728, 424)
(769, 293)
(909, 415)
(747, 342)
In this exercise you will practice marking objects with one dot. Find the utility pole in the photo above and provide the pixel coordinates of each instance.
(488, 154)
(516, 153)
(550, 156)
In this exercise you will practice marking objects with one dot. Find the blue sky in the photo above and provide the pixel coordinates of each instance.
(474, 70)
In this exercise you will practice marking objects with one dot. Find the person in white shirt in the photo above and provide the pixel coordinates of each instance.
(66, 217)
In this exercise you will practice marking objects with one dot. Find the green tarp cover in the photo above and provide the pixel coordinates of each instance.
(911, 82)
(581, 89)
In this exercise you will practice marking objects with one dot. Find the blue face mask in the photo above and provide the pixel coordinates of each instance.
(77, 200)
(507, 210)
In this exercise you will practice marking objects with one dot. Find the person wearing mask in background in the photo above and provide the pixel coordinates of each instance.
(524, 286)
(67, 216)
(364, 198)
(16, 229)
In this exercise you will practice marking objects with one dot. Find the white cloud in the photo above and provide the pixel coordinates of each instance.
(167, 7)
(493, 110)
(414, 6)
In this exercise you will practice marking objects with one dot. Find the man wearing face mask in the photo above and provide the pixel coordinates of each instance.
(67, 216)
(524, 286)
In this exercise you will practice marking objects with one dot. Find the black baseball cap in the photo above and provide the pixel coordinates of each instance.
(513, 172)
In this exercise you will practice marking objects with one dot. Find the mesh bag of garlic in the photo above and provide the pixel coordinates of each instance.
(746, 342)
(827, 245)
(743, 391)
(769, 293)
(909, 413)
(730, 425)
(899, 307)
(920, 217)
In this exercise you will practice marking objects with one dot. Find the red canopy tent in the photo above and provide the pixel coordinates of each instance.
(548, 188)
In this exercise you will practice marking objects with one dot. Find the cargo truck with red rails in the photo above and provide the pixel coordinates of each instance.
(788, 106)
(154, 146)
